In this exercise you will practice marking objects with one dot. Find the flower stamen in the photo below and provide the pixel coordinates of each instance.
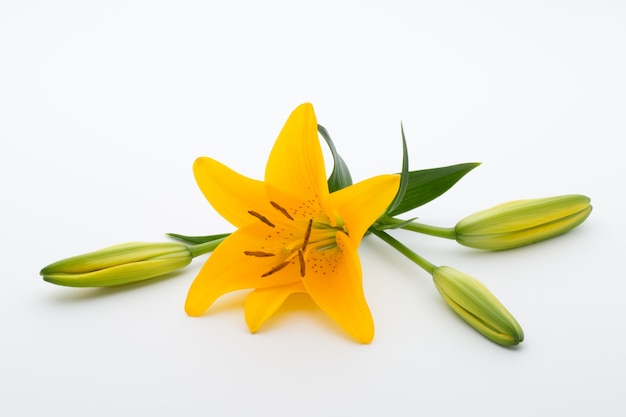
(307, 234)
(302, 264)
(258, 254)
(261, 217)
(281, 209)
(275, 269)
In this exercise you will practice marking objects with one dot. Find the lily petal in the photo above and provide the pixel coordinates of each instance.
(362, 203)
(231, 194)
(229, 269)
(296, 163)
(261, 304)
(335, 284)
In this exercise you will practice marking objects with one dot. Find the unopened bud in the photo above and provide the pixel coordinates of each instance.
(475, 304)
(522, 222)
(117, 265)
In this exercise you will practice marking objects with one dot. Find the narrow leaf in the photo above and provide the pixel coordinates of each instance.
(197, 239)
(427, 184)
(340, 177)
(404, 176)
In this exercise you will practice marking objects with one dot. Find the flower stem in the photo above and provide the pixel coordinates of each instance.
(206, 247)
(444, 232)
(400, 247)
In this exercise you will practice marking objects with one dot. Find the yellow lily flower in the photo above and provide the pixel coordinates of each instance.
(292, 234)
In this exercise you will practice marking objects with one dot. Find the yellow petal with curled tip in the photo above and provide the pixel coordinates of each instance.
(231, 194)
(333, 279)
(229, 269)
(296, 163)
(360, 204)
(261, 304)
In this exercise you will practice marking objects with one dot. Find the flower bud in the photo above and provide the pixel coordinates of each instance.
(475, 304)
(522, 222)
(117, 265)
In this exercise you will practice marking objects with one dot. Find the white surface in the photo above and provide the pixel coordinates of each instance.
(104, 106)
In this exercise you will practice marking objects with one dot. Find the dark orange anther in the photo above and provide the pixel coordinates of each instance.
(275, 269)
(281, 209)
(302, 264)
(258, 254)
(261, 217)
(307, 234)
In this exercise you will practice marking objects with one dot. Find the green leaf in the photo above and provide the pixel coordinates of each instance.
(404, 176)
(427, 184)
(194, 240)
(340, 177)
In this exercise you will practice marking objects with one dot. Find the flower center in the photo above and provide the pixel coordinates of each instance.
(300, 237)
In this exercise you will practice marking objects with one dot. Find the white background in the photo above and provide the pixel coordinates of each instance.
(105, 105)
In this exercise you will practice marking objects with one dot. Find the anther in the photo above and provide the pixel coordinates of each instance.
(307, 234)
(261, 217)
(302, 264)
(281, 209)
(258, 254)
(275, 269)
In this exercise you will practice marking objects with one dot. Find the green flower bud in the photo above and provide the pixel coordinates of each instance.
(118, 265)
(475, 304)
(519, 223)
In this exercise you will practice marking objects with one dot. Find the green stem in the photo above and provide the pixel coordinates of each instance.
(206, 247)
(400, 247)
(444, 232)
